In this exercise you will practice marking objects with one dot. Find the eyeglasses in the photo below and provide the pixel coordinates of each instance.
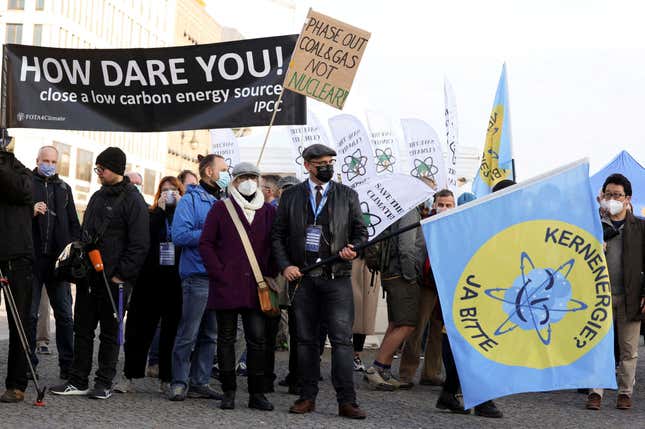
(616, 195)
(321, 163)
(99, 170)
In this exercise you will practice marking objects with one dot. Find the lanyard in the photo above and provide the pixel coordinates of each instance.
(312, 200)
(168, 231)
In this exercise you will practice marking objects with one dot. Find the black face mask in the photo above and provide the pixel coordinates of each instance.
(325, 173)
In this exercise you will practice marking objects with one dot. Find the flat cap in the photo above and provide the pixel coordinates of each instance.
(316, 151)
(287, 181)
(245, 168)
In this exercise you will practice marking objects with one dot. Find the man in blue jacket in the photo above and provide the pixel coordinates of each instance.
(198, 327)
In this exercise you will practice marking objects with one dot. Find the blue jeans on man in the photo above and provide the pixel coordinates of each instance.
(196, 336)
(60, 298)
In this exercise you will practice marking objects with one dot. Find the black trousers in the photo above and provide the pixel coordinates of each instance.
(91, 308)
(254, 322)
(452, 384)
(20, 276)
(151, 303)
(271, 331)
(293, 378)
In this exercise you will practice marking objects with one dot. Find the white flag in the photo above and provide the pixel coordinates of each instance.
(355, 159)
(424, 151)
(388, 199)
(224, 143)
(452, 135)
(304, 136)
(386, 147)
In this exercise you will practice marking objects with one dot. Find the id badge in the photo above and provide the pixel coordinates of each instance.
(313, 234)
(167, 254)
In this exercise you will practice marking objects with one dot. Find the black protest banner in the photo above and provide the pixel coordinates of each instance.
(221, 85)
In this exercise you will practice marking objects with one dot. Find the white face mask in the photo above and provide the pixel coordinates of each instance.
(614, 207)
(248, 187)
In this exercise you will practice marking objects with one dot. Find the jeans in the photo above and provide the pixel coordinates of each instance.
(92, 307)
(336, 298)
(293, 378)
(60, 298)
(153, 354)
(254, 322)
(197, 330)
(19, 273)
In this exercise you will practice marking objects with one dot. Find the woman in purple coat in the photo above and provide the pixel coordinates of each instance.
(233, 289)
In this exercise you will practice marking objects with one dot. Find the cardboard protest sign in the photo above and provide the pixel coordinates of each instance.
(325, 59)
(221, 85)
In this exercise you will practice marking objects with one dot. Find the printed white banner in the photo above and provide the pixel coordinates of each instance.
(355, 154)
(388, 199)
(303, 136)
(224, 143)
(386, 147)
(452, 135)
(424, 152)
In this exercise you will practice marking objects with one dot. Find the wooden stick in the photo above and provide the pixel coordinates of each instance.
(266, 138)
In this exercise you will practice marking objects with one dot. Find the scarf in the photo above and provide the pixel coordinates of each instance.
(214, 189)
(248, 207)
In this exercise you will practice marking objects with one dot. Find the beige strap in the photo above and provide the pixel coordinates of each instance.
(257, 272)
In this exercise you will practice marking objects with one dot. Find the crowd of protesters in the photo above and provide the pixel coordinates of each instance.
(185, 272)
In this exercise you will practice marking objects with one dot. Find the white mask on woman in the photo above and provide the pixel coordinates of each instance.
(248, 187)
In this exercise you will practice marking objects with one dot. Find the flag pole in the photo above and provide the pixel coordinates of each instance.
(513, 167)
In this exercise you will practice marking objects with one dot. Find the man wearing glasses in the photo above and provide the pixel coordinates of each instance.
(625, 253)
(316, 219)
(116, 222)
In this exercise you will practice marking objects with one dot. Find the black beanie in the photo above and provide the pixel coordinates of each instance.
(112, 159)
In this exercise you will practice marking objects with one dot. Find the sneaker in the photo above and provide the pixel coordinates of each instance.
(68, 389)
(452, 402)
(152, 371)
(358, 364)
(177, 392)
(240, 369)
(388, 377)
(203, 392)
(488, 409)
(12, 396)
(164, 387)
(375, 379)
(43, 350)
(593, 401)
(124, 385)
(100, 393)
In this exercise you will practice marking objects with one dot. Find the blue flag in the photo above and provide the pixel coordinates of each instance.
(524, 288)
(497, 159)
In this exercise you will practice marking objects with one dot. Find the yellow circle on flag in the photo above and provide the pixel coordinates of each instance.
(535, 295)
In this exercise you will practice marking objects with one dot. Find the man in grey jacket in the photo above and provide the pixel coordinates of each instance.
(400, 279)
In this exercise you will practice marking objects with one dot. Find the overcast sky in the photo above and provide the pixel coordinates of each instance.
(576, 68)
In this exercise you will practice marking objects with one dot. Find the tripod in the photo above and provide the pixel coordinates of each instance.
(11, 306)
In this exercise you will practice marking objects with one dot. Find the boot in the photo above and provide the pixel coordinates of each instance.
(259, 402)
(228, 401)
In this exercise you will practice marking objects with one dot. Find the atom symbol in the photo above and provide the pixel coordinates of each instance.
(385, 160)
(453, 151)
(425, 168)
(537, 300)
(493, 154)
(354, 165)
(370, 219)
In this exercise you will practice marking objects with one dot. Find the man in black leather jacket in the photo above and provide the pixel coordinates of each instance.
(16, 255)
(316, 219)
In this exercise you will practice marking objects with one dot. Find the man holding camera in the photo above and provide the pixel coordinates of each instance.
(122, 241)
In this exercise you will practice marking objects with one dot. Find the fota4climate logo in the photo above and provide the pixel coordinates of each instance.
(535, 295)
(20, 116)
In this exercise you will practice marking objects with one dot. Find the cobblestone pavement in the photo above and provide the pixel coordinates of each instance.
(404, 409)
